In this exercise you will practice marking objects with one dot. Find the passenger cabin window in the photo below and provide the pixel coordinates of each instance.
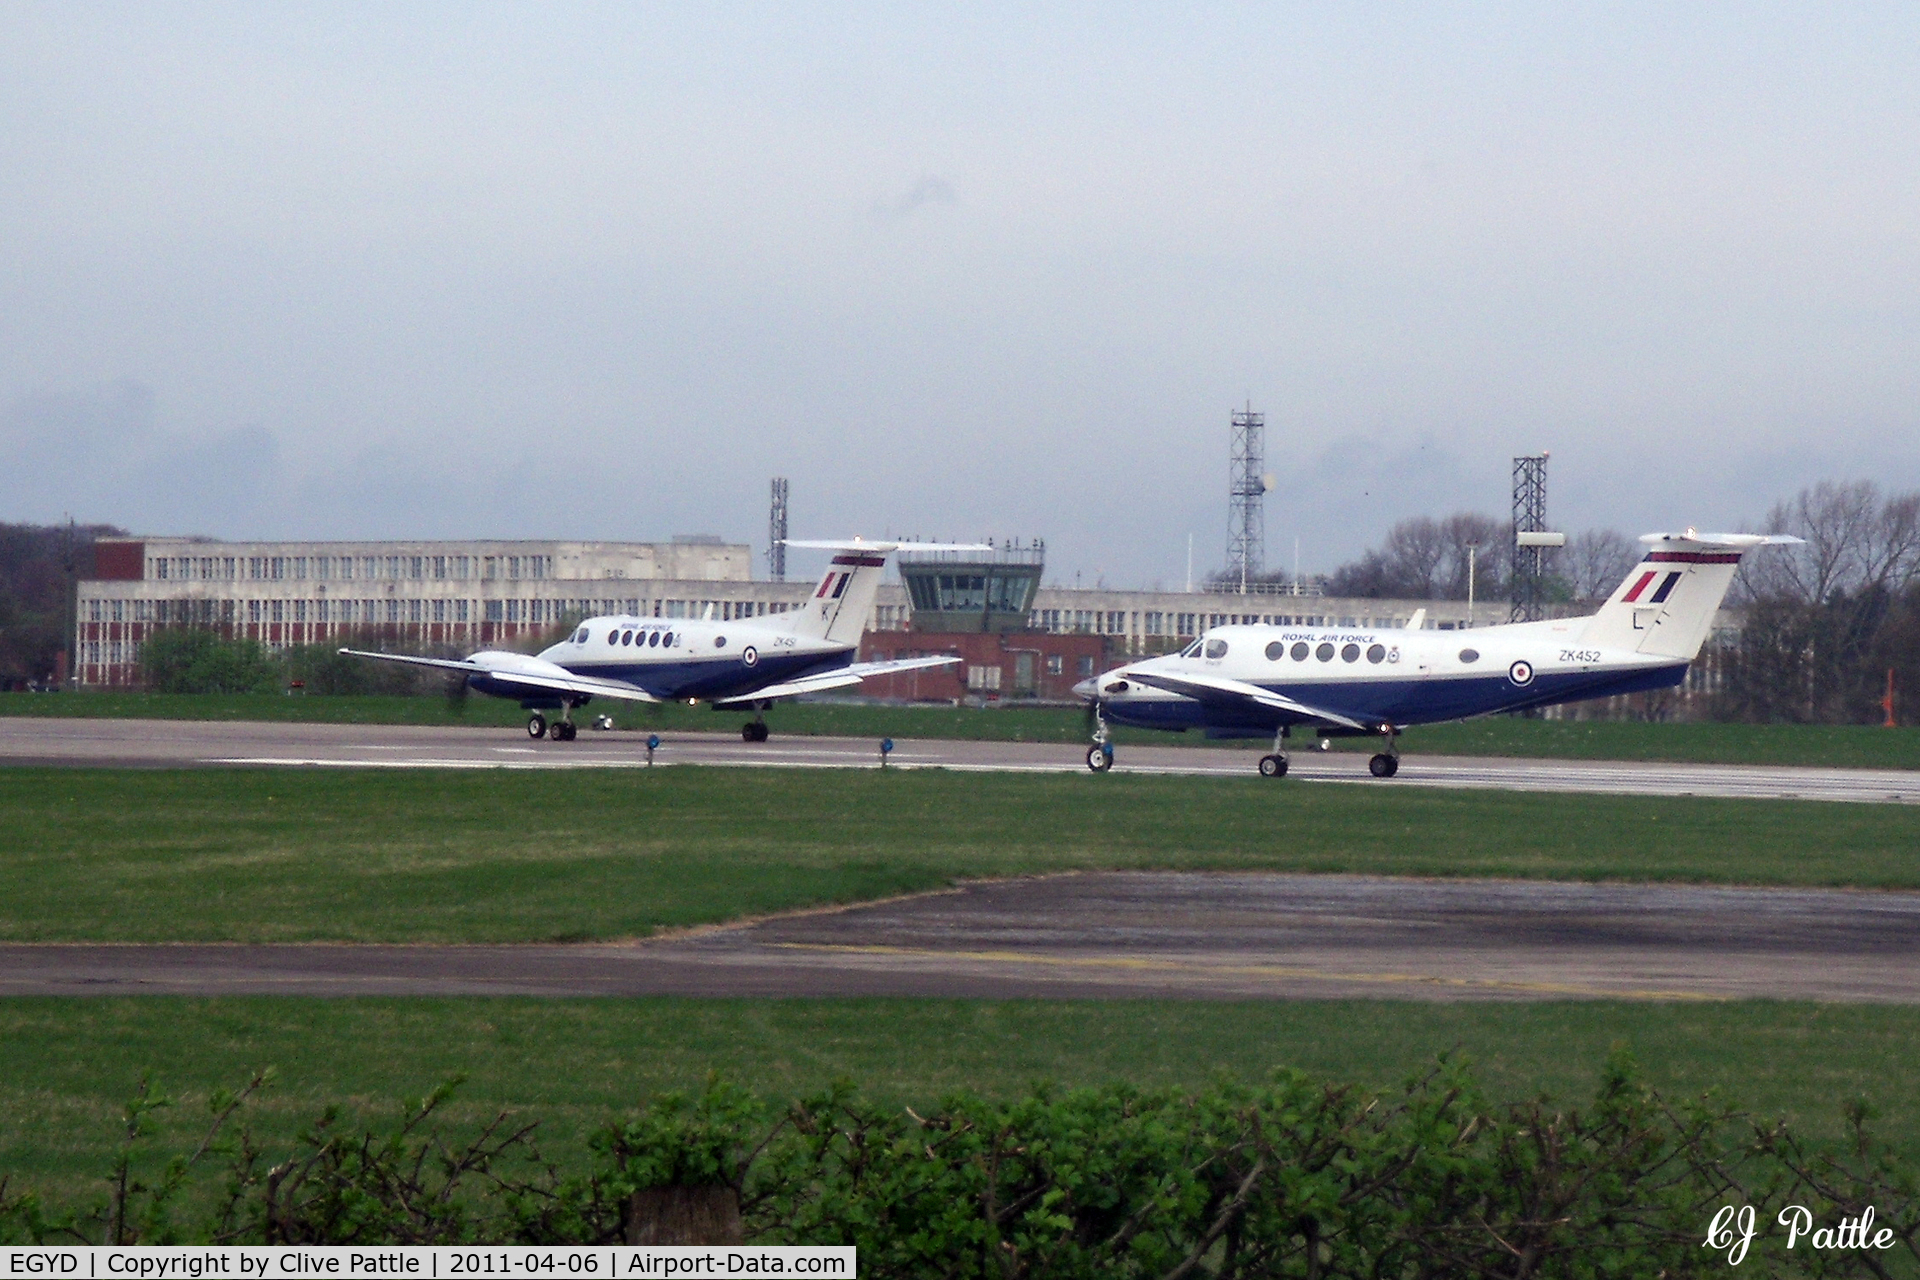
(719, 642)
(1300, 650)
(1351, 653)
(653, 638)
(1324, 652)
(1469, 655)
(613, 637)
(1276, 651)
(1376, 653)
(1216, 648)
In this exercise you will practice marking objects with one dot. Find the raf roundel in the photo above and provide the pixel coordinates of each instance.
(1521, 673)
(750, 655)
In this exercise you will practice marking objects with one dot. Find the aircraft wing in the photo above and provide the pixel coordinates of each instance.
(558, 680)
(1219, 689)
(838, 678)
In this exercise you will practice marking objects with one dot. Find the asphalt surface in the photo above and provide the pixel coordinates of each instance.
(1131, 934)
(193, 743)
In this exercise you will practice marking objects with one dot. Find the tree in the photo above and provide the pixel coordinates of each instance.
(187, 660)
(1595, 562)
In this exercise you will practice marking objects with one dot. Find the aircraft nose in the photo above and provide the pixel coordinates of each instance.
(1086, 690)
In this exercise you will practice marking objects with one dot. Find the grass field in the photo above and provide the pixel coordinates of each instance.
(574, 1063)
(1839, 746)
(459, 856)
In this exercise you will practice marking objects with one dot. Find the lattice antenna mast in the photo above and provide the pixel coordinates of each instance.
(1247, 493)
(777, 530)
(1529, 516)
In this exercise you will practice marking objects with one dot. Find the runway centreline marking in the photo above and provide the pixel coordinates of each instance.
(1139, 964)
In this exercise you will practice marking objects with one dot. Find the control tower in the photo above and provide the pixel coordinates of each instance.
(955, 593)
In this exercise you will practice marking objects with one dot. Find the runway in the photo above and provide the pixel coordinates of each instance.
(195, 743)
(1229, 936)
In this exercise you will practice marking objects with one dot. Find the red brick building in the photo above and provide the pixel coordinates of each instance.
(995, 665)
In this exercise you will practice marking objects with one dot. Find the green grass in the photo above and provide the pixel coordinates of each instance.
(575, 1063)
(1837, 746)
(473, 856)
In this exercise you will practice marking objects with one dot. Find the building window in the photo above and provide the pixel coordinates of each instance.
(299, 610)
(346, 568)
(416, 567)
(279, 609)
(1055, 664)
(496, 612)
(459, 610)
(439, 567)
(160, 566)
(983, 679)
(93, 611)
(513, 606)
(416, 610)
(439, 610)
(1084, 665)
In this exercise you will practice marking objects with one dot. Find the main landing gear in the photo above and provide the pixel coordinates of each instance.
(755, 730)
(1275, 765)
(561, 730)
(1387, 763)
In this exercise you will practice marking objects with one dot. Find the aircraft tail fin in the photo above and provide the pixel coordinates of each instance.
(1665, 607)
(840, 605)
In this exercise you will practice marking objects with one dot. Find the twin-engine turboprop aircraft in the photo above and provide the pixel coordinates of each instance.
(746, 663)
(1252, 681)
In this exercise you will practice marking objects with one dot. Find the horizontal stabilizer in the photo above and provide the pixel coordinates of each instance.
(883, 548)
(518, 669)
(1219, 689)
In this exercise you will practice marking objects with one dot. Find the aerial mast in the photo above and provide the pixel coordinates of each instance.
(1247, 491)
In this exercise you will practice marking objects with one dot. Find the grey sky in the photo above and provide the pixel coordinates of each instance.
(531, 271)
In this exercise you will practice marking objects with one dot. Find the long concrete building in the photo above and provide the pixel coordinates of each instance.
(466, 595)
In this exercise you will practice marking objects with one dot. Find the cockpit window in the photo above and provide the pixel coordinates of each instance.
(1216, 648)
(1192, 650)
(580, 636)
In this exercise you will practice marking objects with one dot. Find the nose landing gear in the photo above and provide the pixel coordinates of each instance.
(1100, 754)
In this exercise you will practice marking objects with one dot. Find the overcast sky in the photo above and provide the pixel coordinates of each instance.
(578, 271)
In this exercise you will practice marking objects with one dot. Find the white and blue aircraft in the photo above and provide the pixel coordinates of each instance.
(1251, 681)
(746, 663)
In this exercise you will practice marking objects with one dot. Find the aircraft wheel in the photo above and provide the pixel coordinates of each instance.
(1273, 766)
(536, 725)
(754, 732)
(1099, 759)
(1384, 765)
(563, 732)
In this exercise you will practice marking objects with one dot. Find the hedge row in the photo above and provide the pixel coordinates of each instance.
(1290, 1178)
